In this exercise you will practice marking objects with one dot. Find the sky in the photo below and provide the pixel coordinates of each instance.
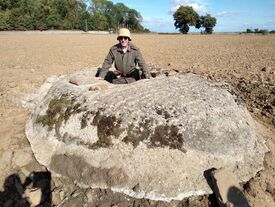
(231, 15)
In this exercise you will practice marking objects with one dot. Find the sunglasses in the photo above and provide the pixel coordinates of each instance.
(121, 38)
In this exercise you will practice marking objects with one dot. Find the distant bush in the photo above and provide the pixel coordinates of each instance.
(264, 31)
(249, 31)
(257, 31)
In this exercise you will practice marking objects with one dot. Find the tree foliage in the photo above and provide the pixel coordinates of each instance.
(208, 23)
(249, 30)
(186, 16)
(67, 15)
(117, 15)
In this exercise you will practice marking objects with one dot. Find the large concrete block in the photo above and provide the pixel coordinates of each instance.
(152, 139)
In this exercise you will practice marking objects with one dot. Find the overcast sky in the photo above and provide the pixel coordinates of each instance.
(231, 15)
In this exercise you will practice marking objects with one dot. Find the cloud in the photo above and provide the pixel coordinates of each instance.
(156, 21)
(197, 5)
(226, 14)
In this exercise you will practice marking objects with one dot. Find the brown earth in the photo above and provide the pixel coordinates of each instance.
(247, 62)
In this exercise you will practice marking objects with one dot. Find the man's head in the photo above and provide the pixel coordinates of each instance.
(124, 37)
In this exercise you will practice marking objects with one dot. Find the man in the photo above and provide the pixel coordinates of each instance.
(126, 58)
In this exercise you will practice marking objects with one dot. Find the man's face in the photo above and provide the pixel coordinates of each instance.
(123, 41)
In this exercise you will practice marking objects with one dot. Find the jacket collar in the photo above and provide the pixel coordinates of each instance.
(129, 47)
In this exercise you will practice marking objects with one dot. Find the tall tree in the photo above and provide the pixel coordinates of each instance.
(102, 15)
(99, 22)
(67, 14)
(117, 15)
(208, 22)
(120, 11)
(184, 17)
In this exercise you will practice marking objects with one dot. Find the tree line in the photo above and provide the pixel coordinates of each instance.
(68, 15)
(259, 31)
(186, 16)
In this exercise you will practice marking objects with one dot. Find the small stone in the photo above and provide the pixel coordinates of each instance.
(12, 84)
(172, 72)
(136, 188)
(75, 81)
(33, 195)
(22, 157)
(228, 189)
(56, 198)
(99, 86)
(25, 171)
(6, 160)
(153, 74)
(62, 195)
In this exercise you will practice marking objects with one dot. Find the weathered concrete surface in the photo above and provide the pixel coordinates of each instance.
(152, 139)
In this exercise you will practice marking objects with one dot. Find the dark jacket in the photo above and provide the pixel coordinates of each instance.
(124, 62)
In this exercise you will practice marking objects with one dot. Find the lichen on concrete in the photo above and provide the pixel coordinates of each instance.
(59, 110)
(164, 113)
(170, 136)
(136, 134)
(161, 136)
(107, 127)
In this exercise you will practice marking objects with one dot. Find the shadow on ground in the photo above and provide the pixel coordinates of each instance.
(14, 193)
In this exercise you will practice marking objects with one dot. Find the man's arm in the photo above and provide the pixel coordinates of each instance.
(106, 64)
(142, 64)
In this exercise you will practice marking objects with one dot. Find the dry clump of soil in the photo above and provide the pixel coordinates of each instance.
(246, 62)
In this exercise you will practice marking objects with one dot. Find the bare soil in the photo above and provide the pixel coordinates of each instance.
(247, 62)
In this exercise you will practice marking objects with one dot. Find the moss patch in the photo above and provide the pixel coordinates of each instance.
(107, 126)
(165, 135)
(137, 134)
(162, 136)
(163, 113)
(59, 109)
(84, 120)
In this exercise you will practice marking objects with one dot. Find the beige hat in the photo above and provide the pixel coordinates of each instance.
(123, 32)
